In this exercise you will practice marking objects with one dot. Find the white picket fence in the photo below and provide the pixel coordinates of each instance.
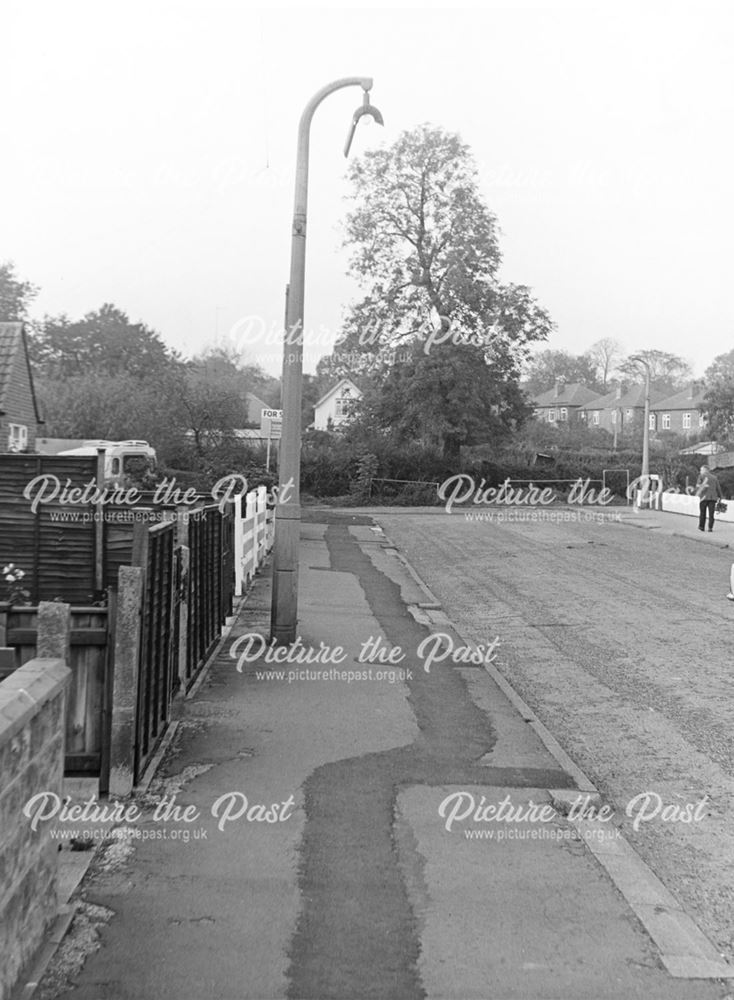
(254, 530)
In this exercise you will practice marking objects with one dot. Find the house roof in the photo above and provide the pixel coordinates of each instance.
(330, 392)
(689, 398)
(255, 406)
(573, 394)
(601, 402)
(634, 397)
(12, 342)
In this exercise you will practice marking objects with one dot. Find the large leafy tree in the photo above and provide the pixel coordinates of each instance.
(719, 399)
(444, 399)
(15, 295)
(546, 367)
(115, 407)
(210, 399)
(426, 253)
(668, 372)
(103, 342)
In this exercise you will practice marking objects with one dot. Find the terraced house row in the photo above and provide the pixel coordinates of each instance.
(622, 410)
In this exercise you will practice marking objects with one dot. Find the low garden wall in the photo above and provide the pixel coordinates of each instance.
(32, 724)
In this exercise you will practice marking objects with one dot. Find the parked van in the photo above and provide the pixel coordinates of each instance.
(122, 458)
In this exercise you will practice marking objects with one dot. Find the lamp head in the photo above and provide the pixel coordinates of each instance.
(365, 109)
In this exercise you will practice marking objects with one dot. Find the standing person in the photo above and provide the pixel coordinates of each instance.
(708, 491)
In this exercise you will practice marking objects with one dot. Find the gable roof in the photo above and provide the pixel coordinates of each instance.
(255, 406)
(689, 398)
(573, 394)
(330, 392)
(13, 343)
(601, 402)
(632, 398)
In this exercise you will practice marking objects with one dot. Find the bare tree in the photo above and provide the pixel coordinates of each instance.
(605, 354)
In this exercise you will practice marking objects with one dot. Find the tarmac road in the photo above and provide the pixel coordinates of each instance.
(620, 639)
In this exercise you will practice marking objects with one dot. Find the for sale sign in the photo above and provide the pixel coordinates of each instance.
(271, 423)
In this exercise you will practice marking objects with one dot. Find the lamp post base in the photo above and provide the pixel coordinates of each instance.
(284, 615)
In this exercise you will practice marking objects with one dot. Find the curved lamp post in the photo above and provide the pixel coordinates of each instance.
(284, 611)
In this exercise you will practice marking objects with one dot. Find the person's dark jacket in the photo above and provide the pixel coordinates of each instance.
(707, 487)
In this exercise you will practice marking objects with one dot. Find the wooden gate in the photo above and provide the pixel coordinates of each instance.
(87, 714)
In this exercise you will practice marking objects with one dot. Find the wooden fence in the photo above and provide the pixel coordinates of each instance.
(87, 706)
(188, 584)
(184, 572)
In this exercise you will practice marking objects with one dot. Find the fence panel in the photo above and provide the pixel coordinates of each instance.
(87, 725)
(210, 589)
(156, 666)
(54, 545)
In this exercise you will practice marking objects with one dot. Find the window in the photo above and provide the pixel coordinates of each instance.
(666, 422)
(686, 421)
(614, 416)
(551, 416)
(564, 413)
(701, 419)
(595, 418)
(17, 437)
(628, 414)
(343, 402)
(651, 422)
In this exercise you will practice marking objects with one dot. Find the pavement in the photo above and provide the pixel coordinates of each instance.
(381, 816)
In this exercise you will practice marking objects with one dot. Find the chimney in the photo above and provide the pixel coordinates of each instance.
(559, 387)
(618, 393)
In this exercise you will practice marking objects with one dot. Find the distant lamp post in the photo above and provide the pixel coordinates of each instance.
(284, 610)
(645, 474)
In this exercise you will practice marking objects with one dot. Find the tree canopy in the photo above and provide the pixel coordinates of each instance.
(668, 372)
(544, 368)
(719, 399)
(15, 295)
(425, 250)
(105, 342)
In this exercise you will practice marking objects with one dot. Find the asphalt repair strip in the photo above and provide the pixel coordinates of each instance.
(355, 906)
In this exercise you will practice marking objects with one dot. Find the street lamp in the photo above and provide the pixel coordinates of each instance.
(645, 475)
(284, 610)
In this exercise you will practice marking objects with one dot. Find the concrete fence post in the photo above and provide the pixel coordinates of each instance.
(7, 653)
(125, 680)
(54, 631)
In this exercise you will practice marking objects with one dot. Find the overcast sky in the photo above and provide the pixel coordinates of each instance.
(148, 157)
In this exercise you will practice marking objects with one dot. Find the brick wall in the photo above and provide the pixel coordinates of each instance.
(32, 712)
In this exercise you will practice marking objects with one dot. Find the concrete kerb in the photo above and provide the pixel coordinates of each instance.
(56, 935)
(684, 949)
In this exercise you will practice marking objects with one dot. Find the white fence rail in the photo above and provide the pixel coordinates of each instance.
(254, 529)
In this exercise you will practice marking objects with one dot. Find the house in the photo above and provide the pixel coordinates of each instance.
(255, 407)
(19, 412)
(620, 410)
(680, 412)
(335, 406)
(563, 403)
